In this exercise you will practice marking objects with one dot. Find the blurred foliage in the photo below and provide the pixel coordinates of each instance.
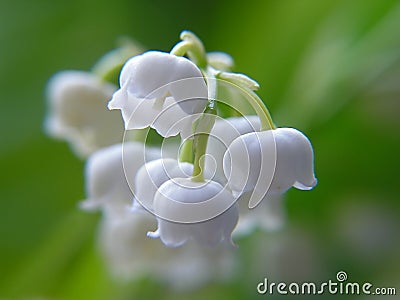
(330, 68)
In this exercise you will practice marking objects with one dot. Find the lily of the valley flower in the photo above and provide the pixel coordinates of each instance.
(110, 174)
(153, 174)
(129, 254)
(220, 61)
(196, 200)
(189, 210)
(157, 85)
(221, 136)
(78, 111)
(271, 162)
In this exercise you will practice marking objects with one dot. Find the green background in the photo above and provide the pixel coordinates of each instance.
(329, 68)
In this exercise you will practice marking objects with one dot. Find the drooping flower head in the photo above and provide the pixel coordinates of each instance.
(269, 161)
(157, 89)
(130, 254)
(77, 102)
(222, 158)
(110, 174)
(188, 210)
(221, 136)
(153, 174)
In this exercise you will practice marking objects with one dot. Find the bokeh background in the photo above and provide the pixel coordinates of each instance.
(329, 68)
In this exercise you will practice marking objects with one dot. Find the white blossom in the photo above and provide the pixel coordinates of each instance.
(271, 162)
(153, 174)
(220, 61)
(158, 89)
(139, 188)
(221, 136)
(122, 239)
(110, 174)
(201, 211)
(77, 103)
(129, 254)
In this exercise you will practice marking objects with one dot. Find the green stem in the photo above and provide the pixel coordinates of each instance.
(203, 127)
(181, 48)
(200, 146)
(210, 75)
(193, 47)
(261, 110)
(202, 132)
(193, 150)
(109, 66)
(186, 152)
(257, 104)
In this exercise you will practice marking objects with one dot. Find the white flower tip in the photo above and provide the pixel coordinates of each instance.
(306, 187)
(220, 60)
(153, 234)
(315, 182)
(111, 105)
(117, 100)
(240, 79)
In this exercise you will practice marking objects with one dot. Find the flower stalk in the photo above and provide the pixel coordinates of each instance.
(253, 100)
(202, 132)
(193, 47)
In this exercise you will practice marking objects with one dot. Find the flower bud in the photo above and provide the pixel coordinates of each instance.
(147, 80)
(153, 174)
(130, 255)
(221, 136)
(78, 111)
(202, 211)
(270, 161)
(110, 172)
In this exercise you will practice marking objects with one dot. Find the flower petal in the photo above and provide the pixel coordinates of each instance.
(202, 211)
(78, 111)
(110, 172)
(153, 174)
(151, 86)
(271, 162)
(221, 136)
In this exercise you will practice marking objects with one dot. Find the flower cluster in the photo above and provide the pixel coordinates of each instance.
(198, 189)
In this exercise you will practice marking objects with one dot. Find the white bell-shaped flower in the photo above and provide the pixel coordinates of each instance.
(221, 136)
(77, 103)
(130, 255)
(110, 174)
(123, 241)
(270, 161)
(153, 174)
(202, 211)
(158, 89)
(220, 61)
